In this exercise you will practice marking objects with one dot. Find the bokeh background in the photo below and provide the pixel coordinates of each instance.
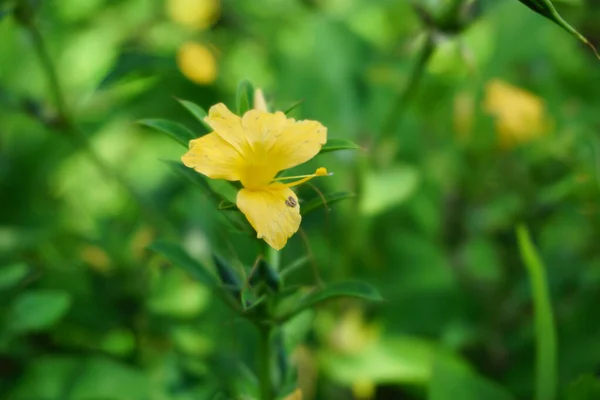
(503, 127)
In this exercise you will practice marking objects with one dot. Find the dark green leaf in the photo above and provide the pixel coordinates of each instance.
(335, 144)
(546, 9)
(546, 367)
(586, 387)
(228, 277)
(451, 381)
(180, 133)
(227, 206)
(325, 200)
(38, 309)
(356, 289)
(244, 97)
(179, 257)
(224, 189)
(188, 174)
(196, 111)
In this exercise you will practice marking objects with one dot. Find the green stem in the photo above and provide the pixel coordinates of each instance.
(77, 137)
(265, 357)
(391, 122)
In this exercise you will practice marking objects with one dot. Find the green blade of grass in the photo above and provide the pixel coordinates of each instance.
(546, 365)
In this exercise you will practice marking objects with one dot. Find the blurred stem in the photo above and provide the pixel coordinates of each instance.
(265, 356)
(77, 137)
(391, 122)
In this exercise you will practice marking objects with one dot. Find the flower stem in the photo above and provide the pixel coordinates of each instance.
(265, 357)
(391, 122)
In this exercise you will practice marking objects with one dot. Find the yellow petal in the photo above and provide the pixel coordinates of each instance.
(298, 142)
(214, 157)
(272, 211)
(282, 142)
(228, 126)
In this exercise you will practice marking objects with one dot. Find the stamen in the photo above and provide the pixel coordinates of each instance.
(304, 178)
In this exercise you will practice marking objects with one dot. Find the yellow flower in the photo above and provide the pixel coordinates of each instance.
(252, 149)
(195, 14)
(197, 63)
(520, 115)
(295, 395)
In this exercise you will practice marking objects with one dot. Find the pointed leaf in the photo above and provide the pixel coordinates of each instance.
(325, 200)
(546, 9)
(189, 174)
(546, 364)
(13, 274)
(335, 144)
(356, 289)
(244, 96)
(293, 106)
(180, 258)
(224, 189)
(196, 111)
(180, 133)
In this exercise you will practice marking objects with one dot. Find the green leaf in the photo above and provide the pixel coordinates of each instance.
(356, 289)
(546, 9)
(327, 200)
(336, 144)
(454, 382)
(546, 368)
(586, 387)
(180, 133)
(388, 188)
(37, 310)
(196, 111)
(244, 97)
(179, 257)
(224, 189)
(293, 107)
(11, 275)
(188, 174)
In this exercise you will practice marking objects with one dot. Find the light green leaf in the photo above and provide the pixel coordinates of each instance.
(11, 275)
(389, 360)
(196, 111)
(176, 131)
(386, 189)
(244, 97)
(452, 382)
(326, 200)
(36, 310)
(546, 9)
(336, 144)
(546, 367)
(180, 258)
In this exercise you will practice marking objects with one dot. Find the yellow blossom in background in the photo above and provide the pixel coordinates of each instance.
(194, 14)
(520, 115)
(259, 101)
(252, 149)
(295, 395)
(197, 63)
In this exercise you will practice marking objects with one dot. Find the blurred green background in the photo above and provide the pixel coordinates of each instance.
(502, 128)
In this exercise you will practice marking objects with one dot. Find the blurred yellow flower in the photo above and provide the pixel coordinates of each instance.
(295, 395)
(194, 14)
(253, 149)
(197, 63)
(464, 113)
(520, 116)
